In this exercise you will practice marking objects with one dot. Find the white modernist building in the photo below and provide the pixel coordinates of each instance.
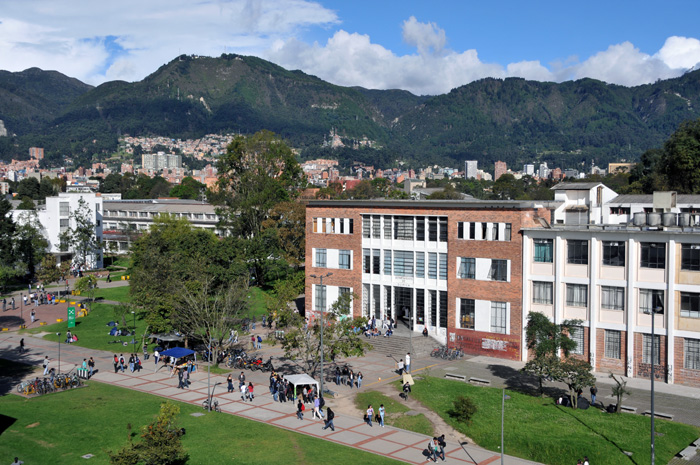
(612, 262)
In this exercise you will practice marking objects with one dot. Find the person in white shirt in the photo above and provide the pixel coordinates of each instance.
(408, 362)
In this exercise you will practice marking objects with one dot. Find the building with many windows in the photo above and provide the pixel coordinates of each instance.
(453, 267)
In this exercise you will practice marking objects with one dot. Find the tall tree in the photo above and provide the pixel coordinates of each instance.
(81, 237)
(30, 242)
(256, 173)
(48, 271)
(288, 222)
(681, 158)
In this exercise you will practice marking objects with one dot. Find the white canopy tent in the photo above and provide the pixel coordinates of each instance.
(301, 380)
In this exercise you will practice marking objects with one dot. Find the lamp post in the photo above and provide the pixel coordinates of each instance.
(59, 353)
(654, 311)
(21, 309)
(320, 277)
(133, 334)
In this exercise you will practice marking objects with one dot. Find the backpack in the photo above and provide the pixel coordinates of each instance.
(303, 407)
(321, 402)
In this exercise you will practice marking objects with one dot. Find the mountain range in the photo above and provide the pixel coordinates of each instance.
(512, 119)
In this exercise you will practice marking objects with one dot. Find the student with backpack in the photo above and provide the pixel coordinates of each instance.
(330, 415)
(300, 409)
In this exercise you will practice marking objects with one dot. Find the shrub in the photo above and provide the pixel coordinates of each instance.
(463, 409)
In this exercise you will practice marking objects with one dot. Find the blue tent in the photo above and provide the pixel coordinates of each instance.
(177, 352)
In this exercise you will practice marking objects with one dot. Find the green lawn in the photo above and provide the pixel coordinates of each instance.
(539, 430)
(256, 302)
(60, 428)
(92, 330)
(119, 294)
(395, 412)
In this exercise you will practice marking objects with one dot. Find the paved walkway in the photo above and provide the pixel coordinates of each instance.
(351, 431)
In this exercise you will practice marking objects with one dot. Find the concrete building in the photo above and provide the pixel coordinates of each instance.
(634, 255)
(36, 152)
(470, 169)
(124, 220)
(453, 267)
(501, 169)
(160, 161)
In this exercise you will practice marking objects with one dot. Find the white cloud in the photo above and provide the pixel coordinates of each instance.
(426, 37)
(680, 52)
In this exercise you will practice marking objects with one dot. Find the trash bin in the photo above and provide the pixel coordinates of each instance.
(82, 373)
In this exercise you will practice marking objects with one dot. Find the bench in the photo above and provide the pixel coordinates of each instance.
(454, 376)
(628, 409)
(688, 452)
(479, 381)
(665, 416)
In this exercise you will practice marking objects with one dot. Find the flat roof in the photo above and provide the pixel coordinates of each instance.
(575, 186)
(468, 203)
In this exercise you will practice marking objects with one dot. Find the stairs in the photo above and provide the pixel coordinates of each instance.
(399, 344)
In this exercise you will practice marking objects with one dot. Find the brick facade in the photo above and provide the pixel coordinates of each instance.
(605, 364)
(681, 374)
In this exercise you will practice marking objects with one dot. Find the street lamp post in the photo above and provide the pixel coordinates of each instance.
(21, 309)
(654, 311)
(320, 277)
(59, 353)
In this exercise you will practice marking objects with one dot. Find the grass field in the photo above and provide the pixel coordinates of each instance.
(539, 430)
(395, 412)
(60, 428)
(119, 294)
(93, 332)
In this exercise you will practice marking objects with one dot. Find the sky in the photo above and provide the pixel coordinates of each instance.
(425, 47)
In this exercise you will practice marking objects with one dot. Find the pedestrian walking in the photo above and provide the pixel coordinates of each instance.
(359, 379)
(351, 379)
(440, 447)
(250, 391)
(33, 316)
(156, 356)
(337, 375)
(91, 367)
(300, 410)
(180, 379)
(4, 304)
(381, 415)
(45, 364)
(13, 303)
(116, 363)
(259, 342)
(122, 363)
(131, 363)
(317, 406)
(408, 362)
(399, 367)
(243, 388)
(432, 451)
(252, 341)
(369, 415)
(330, 415)
(21, 346)
(229, 380)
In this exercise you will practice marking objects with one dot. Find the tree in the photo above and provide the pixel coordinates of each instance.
(160, 444)
(619, 391)
(547, 339)
(288, 221)
(681, 158)
(48, 271)
(28, 187)
(88, 285)
(576, 373)
(256, 173)
(30, 242)
(26, 204)
(81, 238)
(208, 314)
(303, 344)
(8, 268)
(189, 188)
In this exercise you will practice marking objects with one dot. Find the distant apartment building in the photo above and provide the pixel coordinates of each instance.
(160, 161)
(453, 267)
(470, 169)
(501, 169)
(37, 153)
(529, 169)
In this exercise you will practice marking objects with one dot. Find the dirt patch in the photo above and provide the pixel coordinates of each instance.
(33, 425)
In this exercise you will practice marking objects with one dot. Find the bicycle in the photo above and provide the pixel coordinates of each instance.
(215, 405)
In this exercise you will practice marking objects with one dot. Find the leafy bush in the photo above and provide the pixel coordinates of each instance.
(463, 409)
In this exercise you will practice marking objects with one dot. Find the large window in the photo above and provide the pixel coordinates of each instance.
(420, 228)
(692, 354)
(542, 292)
(577, 252)
(499, 314)
(365, 226)
(432, 265)
(466, 313)
(613, 253)
(63, 208)
(443, 309)
(467, 268)
(650, 299)
(344, 259)
(443, 266)
(653, 255)
(612, 298)
(403, 228)
(443, 229)
(403, 263)
(690, 257)
(613, 344)
(64, 223)
(376, 259)
(366, 264)
(320, 300)
(576, 335)
(321, 258)
(543, 250)
(387, 262)
(420, 264)
(432, 228)
(376, 226)
(387, 227)
(690, 305)
(577, 295)
(646, 349)
(498, 270)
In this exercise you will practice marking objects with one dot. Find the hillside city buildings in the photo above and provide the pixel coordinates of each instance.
(471, 271)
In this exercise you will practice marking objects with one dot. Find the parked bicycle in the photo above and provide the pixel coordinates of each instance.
(215, 405)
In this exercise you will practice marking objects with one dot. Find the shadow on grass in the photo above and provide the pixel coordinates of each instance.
(13, 372)
(517, 381)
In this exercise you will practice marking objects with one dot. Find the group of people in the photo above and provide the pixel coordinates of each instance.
(378, 417)
(347, 377)
(436, 448)
(247, 390)
(583, 462)
(134, 363)
(404, 366)
(89, 365)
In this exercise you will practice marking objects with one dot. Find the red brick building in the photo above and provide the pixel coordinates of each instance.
(452, 267)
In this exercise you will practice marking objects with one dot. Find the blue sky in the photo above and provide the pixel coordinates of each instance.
(421, 46)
